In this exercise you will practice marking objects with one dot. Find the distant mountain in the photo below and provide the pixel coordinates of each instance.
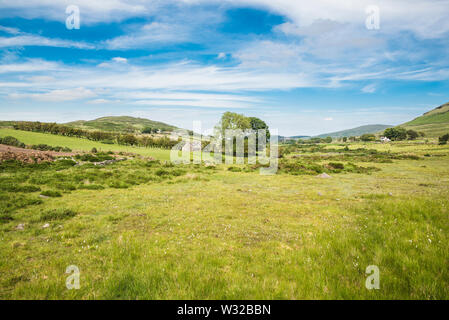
(355, 132)
(433, 123)
(121, 124)
(282, 138)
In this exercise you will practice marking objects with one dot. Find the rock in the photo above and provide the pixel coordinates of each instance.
(20, 226)
(320, 194)
(324, 176)
(43, 197)
(390, 194)
(45, 226)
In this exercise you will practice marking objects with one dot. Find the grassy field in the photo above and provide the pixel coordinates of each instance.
(433, 123)
(149, 230)
(76, 144)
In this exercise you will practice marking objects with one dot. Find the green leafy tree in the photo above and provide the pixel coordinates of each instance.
(257, 124)
(368, 137)
(396, 133)
(412, 134)
(231, 120)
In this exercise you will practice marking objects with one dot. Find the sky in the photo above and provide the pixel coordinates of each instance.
(304, 67)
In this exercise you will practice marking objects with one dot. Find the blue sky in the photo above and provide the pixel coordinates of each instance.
(305, 68)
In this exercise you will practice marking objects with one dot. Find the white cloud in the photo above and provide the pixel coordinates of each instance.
(120, 60)
(9, 30)
(149, 34)
(102, 101)
(23, 40)
(328, 119)
(371, 88)
(59, 95)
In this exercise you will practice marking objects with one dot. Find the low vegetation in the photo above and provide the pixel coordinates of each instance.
(143, 229)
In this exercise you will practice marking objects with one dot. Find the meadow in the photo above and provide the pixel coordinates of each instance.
(77, 144)
(141, 229)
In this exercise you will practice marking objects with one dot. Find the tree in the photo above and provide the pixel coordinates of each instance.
(412, 134)
(345, 139)
(147, 130)
(233, 121)
(257, 124)
(327, 140)
(368, 137)
(395, 133)
(443, 139)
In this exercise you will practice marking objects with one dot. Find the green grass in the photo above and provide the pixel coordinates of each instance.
(188, 232)
(77, 144)
(433, 123)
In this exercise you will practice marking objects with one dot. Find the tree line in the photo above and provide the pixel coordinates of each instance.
(101, 136)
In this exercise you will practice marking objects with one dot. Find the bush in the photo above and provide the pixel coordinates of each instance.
(336, 165)
(91, 187)
(51, 193)
(161, 172)
(46, 147)
(368, 137)
(443, 139)
(11, 141)
(94, 150)
(412, 134)
(118, 184)
(57, 214)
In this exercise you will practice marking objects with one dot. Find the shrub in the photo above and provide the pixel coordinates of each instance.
(443, 139)
(46, 147)
(17, 188)
(57, 214)
(412, 134)
(51, 193)
(94, 150)
(118, 184)
(336, 165)
(161, 172)
(91, 186)
(11, 141)
(234, 169)
(368, 137)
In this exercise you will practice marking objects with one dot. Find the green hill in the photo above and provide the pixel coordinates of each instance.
(433, 123)
(355, 132)
(120, 124)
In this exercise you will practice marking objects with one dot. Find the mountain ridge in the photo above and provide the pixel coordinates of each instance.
(357, 131)
(120, 124)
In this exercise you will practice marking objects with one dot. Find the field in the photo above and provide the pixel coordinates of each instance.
(433, 123)
(76, 144)
(151, 230)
